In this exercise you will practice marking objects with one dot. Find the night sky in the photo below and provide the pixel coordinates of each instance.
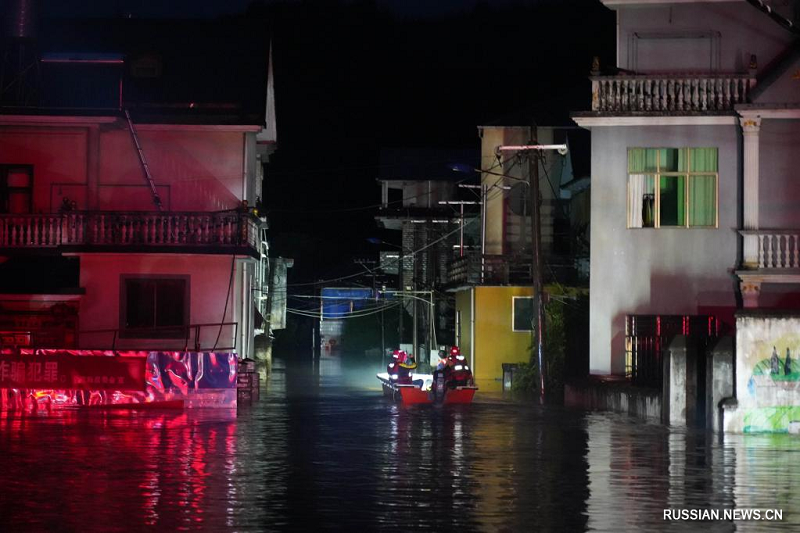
(354, 77)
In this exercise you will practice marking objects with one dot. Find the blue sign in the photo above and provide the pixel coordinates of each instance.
(340, 302)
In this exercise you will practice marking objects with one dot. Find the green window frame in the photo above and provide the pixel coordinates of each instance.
(673, 188)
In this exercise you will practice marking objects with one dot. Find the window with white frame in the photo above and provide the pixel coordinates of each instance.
(522, 313)
(672, 187)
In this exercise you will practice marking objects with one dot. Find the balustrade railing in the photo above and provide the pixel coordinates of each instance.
(30, 230)
(129, 228)
(778, 249)
(496, 269)
(669, 93)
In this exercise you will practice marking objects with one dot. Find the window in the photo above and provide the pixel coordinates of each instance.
(154, 307)
(672, 187)
(522, 313)
(16, 189)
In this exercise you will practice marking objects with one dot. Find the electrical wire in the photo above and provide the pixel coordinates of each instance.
(227, 298)
(352, 314)
(497, 163)
(388, 263)
(376, 206)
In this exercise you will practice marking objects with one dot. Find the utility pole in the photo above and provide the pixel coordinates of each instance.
(483, 233)
(400, 287)
(534, 150)
(432, 333)
(414, 337)
(536, 264)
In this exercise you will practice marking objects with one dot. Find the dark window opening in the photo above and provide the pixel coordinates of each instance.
(154, 307)
(395, 198)
(523, 313)
(16, 189)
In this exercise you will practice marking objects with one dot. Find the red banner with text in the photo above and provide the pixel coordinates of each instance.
(62, 370)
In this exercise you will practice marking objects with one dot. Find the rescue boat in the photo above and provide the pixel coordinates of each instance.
(452, 382)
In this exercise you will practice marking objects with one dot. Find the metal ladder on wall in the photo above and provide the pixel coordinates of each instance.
(148, 176)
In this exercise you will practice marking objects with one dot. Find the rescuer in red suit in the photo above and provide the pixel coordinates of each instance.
(391, 368)
(456, 371)
(404, 367)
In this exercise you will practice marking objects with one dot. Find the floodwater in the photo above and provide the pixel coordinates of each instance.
(323, 450)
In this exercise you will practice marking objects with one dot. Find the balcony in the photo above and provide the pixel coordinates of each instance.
(134, 231)
(775, 250)
(669, 94)
(497, 270)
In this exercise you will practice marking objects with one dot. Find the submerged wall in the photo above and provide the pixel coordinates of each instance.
(617, 396)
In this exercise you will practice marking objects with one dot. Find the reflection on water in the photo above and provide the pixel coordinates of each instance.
(322, 450)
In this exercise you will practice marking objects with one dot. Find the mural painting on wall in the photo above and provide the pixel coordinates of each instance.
(768, 359)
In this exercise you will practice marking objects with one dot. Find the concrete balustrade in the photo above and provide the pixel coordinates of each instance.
(129, 228)
(776, 249)
(669, 93)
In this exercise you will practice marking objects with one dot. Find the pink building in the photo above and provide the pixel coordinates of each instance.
(134, 226)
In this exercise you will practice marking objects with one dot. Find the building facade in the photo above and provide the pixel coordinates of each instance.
(132, 224)
(692, 141)
(429, 202)
(139, 266)
(492, 285)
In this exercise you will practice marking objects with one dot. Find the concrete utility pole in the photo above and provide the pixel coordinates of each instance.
(402, 307)
(536, 264)
(533, 150)
(414, 336)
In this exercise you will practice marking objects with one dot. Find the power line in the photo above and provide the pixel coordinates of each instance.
(388, 263)
(352, 314)
(375, 206)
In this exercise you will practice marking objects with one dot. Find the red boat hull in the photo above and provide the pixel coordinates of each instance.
(460, 395)
(412, 395)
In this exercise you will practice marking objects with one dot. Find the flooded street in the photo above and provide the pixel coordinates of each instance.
(324, 450)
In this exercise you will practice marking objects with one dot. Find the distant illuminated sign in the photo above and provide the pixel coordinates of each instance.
(339, 302)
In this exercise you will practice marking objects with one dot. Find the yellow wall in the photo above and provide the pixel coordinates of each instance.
(506, 232)
(495, 341)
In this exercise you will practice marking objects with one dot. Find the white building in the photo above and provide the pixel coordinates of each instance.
(694, 194)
